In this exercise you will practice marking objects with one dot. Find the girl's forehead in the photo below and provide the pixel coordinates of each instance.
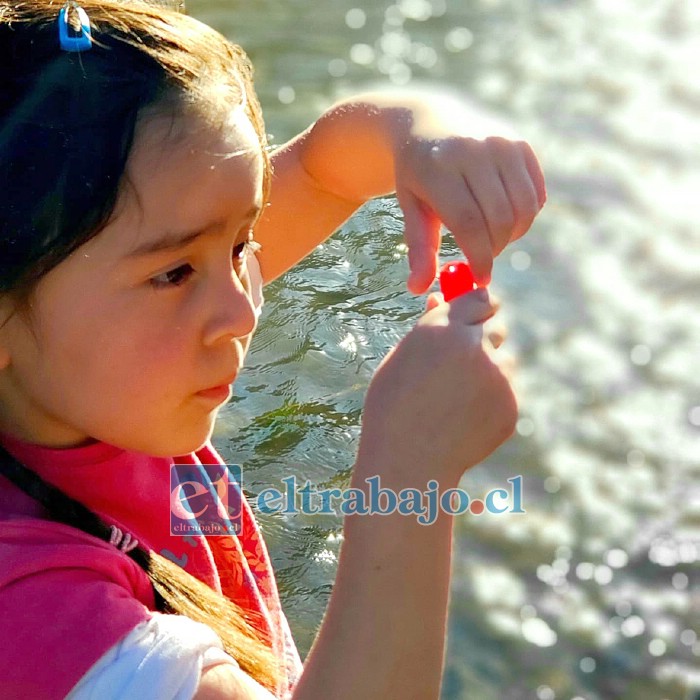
(188, 149)
(166, 136)
(184, 181)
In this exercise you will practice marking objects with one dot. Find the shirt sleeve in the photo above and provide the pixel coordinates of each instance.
(160, 659)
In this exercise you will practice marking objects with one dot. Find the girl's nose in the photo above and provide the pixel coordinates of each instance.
(234, 313)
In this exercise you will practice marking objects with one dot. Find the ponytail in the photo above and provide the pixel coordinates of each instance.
(175, 590)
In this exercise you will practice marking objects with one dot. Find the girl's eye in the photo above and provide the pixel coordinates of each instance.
(172, 278)
(179, 275)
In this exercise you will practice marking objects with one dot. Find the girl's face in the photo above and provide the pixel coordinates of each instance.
(131, 330)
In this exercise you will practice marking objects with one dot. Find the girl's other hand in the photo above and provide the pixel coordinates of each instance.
(440, 403)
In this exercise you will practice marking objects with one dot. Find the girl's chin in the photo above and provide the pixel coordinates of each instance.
(185, 447)
(183, 431)
(201, 439)
(178, 443)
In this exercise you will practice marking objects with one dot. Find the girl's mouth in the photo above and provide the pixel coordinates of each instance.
(216, 393)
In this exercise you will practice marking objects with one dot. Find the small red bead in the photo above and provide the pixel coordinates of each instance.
(456, 278)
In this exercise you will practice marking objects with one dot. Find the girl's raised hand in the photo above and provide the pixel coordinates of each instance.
(446, 161)
(486, 191)
(439, 403)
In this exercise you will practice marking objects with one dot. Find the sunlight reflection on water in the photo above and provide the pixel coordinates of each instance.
(594, 592)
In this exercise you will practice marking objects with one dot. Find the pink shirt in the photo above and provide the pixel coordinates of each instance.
(67, 597)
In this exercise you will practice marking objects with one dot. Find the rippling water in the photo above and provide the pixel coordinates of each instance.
(594, 593)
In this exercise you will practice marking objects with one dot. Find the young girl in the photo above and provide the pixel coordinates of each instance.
(135, 175)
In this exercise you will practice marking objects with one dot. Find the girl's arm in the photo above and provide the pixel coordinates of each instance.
(384, 632)
(434, 152)
(436, 406)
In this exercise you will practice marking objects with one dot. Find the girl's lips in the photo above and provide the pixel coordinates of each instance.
(216, 393)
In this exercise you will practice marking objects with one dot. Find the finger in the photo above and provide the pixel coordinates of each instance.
(535, 170)
(422, 236)
(518, 183)
(474, 308)
(452, 200)
(486, 186)
(467, 311)
(434, 300)
(496, 332)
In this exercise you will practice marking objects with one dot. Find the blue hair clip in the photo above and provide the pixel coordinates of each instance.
(67, 37)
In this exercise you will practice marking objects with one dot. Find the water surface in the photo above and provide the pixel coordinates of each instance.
(594, 593)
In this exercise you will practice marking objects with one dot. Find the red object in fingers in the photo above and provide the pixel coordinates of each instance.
(456, 278)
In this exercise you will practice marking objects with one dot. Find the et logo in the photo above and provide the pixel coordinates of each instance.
(205, 499)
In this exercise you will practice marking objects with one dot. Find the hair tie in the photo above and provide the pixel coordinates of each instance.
(68, 38)
(126, 544)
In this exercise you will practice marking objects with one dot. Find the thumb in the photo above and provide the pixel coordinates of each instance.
(434, 299)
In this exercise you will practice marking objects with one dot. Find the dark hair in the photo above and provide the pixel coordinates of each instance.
(67, 126)
(67, 120)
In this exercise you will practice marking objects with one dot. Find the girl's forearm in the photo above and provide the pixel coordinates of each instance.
(351, 150)
(383, 635)
(324, 175)
(300, 214)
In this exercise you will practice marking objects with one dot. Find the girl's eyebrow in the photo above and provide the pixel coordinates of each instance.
(174, 241)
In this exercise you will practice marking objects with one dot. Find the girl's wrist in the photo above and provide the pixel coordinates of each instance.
(400, 471)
